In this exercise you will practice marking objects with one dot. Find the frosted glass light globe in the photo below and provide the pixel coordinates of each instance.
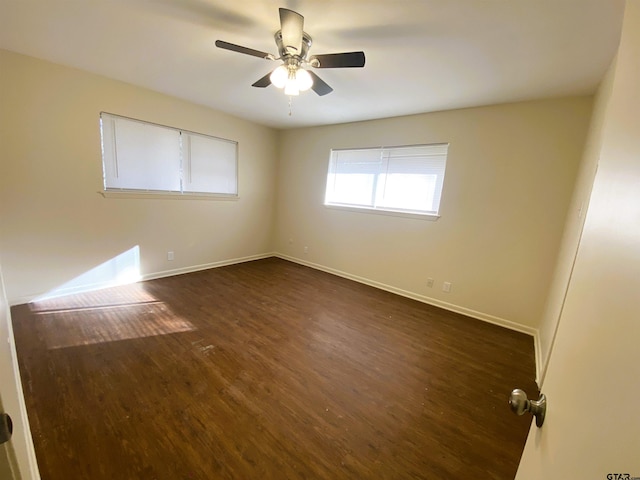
(291, 87)
(279, 76)
(303, 79)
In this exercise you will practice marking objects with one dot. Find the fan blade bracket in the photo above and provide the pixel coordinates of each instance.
(338, 60)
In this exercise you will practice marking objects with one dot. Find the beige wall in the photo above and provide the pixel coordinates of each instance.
(510, 174)
(55, 226)
(574, 224)
(592, 382)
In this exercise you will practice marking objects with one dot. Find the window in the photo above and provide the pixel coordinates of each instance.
(396, 179)
(140, 156)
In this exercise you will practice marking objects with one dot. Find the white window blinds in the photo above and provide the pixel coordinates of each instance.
(404, 179)
(141, 156)
(210, 165)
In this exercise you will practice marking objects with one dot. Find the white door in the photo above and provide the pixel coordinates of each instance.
(18, 453)
(7, 387)
(592, 426)
(6, 470)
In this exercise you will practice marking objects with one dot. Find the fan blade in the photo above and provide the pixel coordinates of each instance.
(319, 86)
(338, 60)
(247, 51)
(263, 82)
(291, 24)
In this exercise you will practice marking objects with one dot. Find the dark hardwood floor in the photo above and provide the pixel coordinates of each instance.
(268, 370)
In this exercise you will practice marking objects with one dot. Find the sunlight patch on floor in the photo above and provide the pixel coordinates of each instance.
(108, 323)
(94, 316)
(120, 270)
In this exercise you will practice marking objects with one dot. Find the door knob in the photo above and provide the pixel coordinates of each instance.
(6, 427)
(520, 404)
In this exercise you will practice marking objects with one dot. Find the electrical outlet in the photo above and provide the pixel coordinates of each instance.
(430, 282)
(170, 256)
(306, 249)
(446, 287)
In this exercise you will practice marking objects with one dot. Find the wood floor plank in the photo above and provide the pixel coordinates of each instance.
(268, 370)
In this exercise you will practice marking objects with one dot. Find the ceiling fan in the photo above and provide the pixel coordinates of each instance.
(293, 46)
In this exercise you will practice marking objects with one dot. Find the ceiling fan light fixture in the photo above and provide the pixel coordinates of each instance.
(279, 76)
(292, 78)
(291, 88)
(304, 80)
(293, 46)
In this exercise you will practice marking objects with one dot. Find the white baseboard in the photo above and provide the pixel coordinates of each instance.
(21, 299)
(431, 301)
(148, 276)
(205, 266)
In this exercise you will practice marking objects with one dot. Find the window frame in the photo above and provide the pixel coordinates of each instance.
(439, 149)
(183, 137)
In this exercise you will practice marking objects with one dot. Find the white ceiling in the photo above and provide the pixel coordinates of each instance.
(421, 55)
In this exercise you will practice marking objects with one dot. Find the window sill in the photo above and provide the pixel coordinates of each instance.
(430, 217)
(129, 194)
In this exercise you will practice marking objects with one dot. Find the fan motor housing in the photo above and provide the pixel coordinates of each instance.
(282, 50)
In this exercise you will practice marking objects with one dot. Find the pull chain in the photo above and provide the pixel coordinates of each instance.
(289, 105)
